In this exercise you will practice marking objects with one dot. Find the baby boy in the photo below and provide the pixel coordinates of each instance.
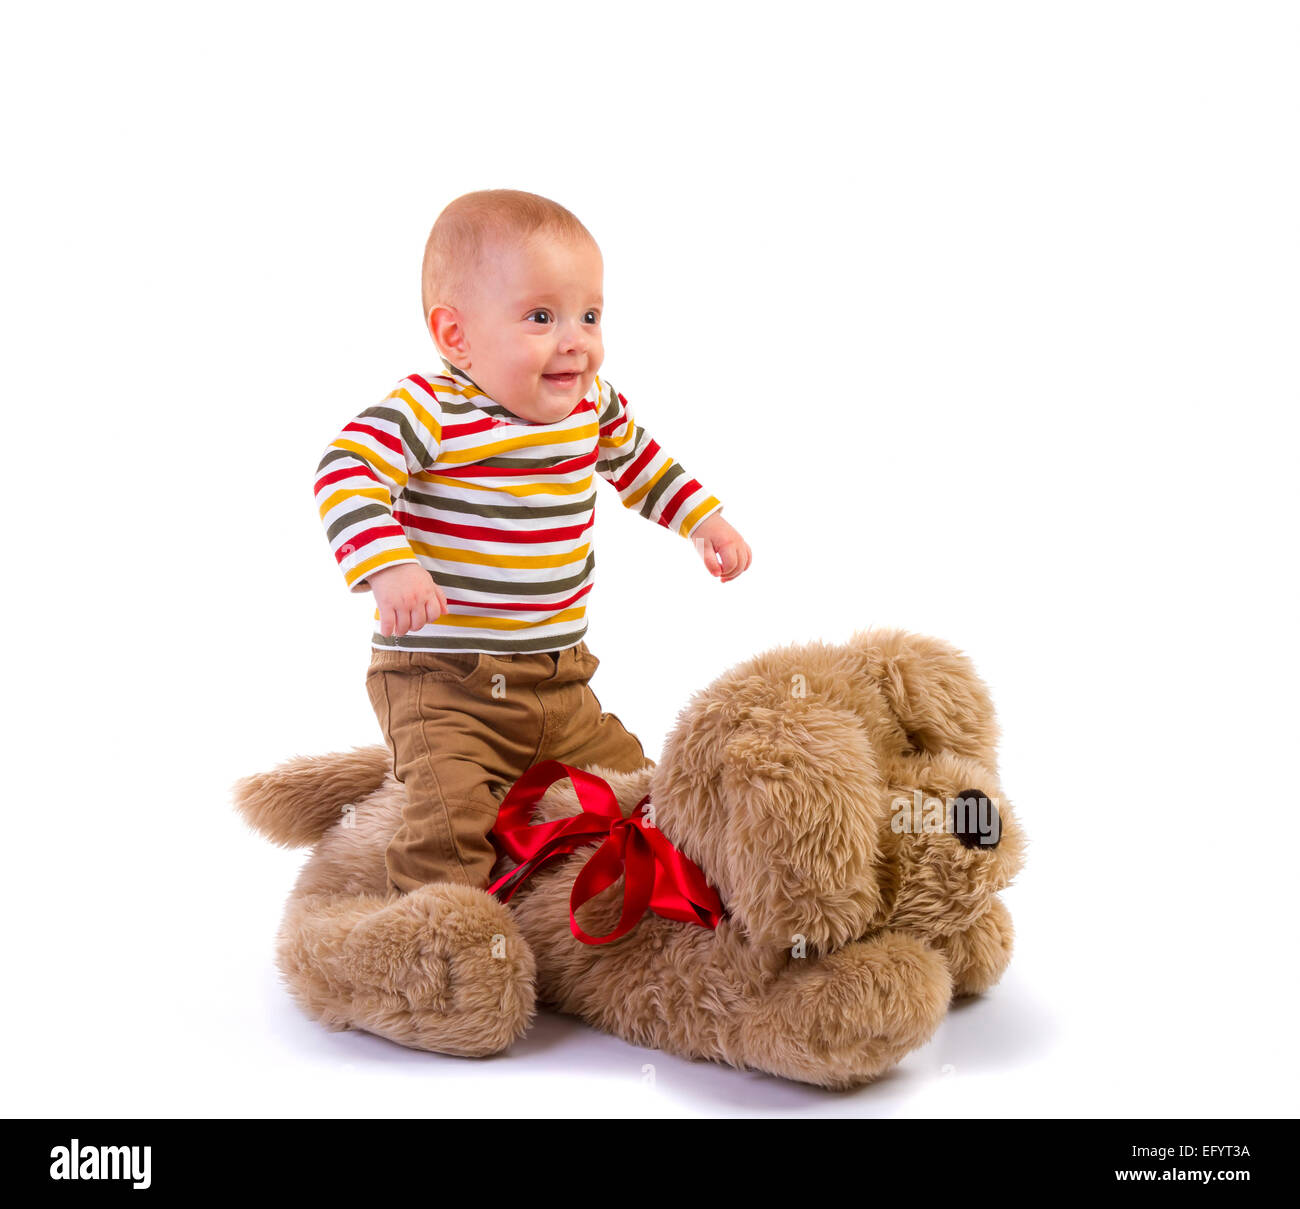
(465, 502)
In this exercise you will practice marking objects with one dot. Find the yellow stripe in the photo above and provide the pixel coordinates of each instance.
(628, 433)
(465, 392)
(687, 524)
(361, 570)
(503, 623)
(477, 453)
(419, 412)
(452, 555)
(504, 489)
(371, 458)
(372, 493)
(639, 494)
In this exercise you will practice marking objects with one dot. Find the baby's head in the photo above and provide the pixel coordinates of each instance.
(512, 292)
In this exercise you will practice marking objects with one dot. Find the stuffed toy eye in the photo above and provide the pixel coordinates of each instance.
(975, 819)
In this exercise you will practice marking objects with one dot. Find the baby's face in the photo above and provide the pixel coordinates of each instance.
(532, 326)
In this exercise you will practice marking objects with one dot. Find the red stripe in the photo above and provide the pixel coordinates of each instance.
(521, 606)
(359, 541)
(486, 533)
(421, 383)
(688, 490)
(469, 429)
(346, 473)
(629, 475)
(384, 438)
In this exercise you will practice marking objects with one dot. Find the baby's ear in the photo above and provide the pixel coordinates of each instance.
(941, 702)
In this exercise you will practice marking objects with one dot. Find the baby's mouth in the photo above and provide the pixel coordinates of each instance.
(562, 379)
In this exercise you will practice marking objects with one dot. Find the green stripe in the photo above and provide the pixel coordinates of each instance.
(541, 587)
(675, 471)
(461, 407)
(368, 511)
(403, 422)
(333, 455)
(454, 371)
(479, 642)
(500, 511)
(611, 411)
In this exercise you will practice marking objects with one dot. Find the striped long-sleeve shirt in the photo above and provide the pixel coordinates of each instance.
(497, 509)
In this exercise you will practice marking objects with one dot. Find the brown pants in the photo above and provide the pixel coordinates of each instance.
(463, 727)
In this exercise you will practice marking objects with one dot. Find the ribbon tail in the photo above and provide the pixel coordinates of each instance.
(566, 835)
(629, 856)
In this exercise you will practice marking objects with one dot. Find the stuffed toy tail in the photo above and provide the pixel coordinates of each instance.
(297, 802)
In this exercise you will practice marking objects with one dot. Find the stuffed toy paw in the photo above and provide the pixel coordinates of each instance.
(800, 886)
(442, 968)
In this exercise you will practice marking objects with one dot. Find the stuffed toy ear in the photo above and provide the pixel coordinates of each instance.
(803, 809)
(941, 702)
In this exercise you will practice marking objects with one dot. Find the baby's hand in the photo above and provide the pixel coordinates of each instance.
(724, 551)
(407, 597)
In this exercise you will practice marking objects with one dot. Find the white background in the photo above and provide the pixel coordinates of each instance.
(981, 321)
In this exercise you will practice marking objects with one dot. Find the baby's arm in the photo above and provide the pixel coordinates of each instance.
(644, 476)
(363, 471)
(660, 489)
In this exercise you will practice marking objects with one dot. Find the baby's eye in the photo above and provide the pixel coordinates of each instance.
(546, 315)
(591, 317)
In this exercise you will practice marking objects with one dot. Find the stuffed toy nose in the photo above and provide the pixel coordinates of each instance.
(975, 819)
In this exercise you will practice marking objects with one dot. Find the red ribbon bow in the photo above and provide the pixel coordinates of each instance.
(659, 878)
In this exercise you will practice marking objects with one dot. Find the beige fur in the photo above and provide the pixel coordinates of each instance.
(845, 940)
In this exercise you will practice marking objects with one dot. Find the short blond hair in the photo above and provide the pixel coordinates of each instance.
(477, 221)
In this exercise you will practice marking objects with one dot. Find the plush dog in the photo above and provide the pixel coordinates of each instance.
(843, 800)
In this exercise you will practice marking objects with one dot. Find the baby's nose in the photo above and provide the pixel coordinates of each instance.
(573, 334)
